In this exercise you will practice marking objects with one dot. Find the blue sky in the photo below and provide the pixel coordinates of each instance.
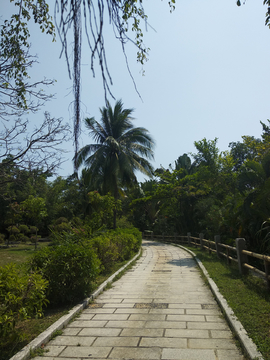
(207, 76)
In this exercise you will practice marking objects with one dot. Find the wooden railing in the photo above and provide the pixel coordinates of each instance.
(238, 254)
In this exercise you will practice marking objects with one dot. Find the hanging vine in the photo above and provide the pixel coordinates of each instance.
(124, 15)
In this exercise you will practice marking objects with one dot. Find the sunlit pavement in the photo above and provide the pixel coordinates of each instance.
(160, 309)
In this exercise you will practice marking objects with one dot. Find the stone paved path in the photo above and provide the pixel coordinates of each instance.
(161, 309)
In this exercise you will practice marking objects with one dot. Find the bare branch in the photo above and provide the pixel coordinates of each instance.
(38, 148)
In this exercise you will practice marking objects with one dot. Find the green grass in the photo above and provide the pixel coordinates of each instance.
(19, 253)
(246, 295)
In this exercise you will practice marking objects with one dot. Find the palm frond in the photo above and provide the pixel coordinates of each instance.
(120, 149)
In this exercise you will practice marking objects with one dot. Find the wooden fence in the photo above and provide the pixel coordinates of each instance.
(238, 254)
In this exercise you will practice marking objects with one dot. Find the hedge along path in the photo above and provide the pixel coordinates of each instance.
(160, 309)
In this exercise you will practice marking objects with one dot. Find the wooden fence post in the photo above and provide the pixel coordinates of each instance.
(188, 237)
(152, 235)
(201, 240)
(175, 238)
(217, 242)
(242, 258)
(267, 273)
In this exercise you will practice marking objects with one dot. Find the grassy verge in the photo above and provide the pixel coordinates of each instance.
(18, 254)
(33, 327)
(246, 295)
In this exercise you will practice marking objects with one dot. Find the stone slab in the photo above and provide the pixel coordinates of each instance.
(136, 353)
(99, 332)
(73, 340)
(117, 341)
(207, 325)
(156, 317)
(85, 316)
(185, 318)
(71, 331)
(84, 323)
(203, 312)
(229, 355)
(188, 354)
(100, 310)
(163, 342)
(108, 317)
(111, 305)
(167, 311)
(53, 350)
(221, 334)
(126, 324)
(86, 351)
(165, 325)
(211, 344)
(186, 333)
(142, 332)
(131, 311)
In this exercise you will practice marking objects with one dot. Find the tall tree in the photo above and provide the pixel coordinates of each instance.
(207, 154)
(119, 151)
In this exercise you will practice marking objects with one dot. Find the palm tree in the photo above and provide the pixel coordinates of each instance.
(119, 151)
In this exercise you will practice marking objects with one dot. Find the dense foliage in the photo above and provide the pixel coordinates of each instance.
(72, 263)
(60, 275)
(213, 192)
(70, 269)
(21, 297)
(223, 193)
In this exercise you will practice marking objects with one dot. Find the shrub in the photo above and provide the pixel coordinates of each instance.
(116, 245)
(70, 269)
(128, 242)
(136, 233)
(62, 227)
(76, 222)
(123, 223)
(13, 230)
(33, 229)
(24, 229)
(23, 238)
(12, 238)
(61, 220)
(34, 238)
(106, 251)
(21, 296)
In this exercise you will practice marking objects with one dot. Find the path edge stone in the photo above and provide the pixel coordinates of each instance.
(248, 345)
(46, 335)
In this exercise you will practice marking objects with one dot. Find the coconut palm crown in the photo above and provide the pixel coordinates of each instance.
(120, 149)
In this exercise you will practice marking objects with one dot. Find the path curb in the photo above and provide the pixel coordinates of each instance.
(248, 345)
(46, 335)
